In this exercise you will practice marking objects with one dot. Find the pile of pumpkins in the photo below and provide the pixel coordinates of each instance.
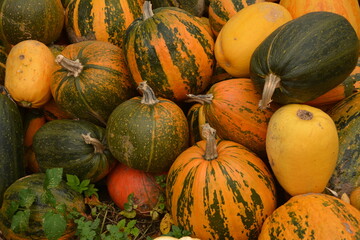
(250, 109)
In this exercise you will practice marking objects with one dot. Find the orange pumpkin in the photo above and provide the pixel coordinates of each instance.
(29, 67)
(52, 111)
(347, 8)
(355, 198)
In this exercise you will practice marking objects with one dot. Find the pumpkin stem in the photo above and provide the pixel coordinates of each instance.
(149, 97)
(271, 83)
(207, 98)
(147, 10)
(74, 68)
(98, 146)
(209, 134)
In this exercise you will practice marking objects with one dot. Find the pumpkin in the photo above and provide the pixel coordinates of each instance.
(11, 139)
(29, 67)
(195, 7)
(40, 20)
(304, 58)
(348, 8)
(218, 189)
(355, 198)
(91, 80)
(302, 147)
(196, 119)
(231, 107)
(220, 11)
(63, 194)
(3, 57)
(312, 216)
(123, 181)
(52, 111)
(100, 20)
(77, 146)
(233, 47)
(147, 133)
(355, 75)
(175, 56)
(346, 115)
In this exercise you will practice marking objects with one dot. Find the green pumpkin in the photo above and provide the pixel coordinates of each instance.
(304, 58)
(77, 146)
(147, 133)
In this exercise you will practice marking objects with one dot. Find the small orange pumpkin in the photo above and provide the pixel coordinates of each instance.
(355, 198)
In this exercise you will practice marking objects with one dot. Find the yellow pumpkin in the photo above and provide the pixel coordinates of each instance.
(302, 147)
(355, 198)
(347, 8)
(244, 32)
(29, 67)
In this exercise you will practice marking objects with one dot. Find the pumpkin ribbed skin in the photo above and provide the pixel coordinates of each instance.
(308, 55)
(102, 84)
(40, 20)
(220, 11)
(100, 20)
(228, 197)
(63, 195)
(234, 113)
(312, 217)
(11, 143)
(195, 7)
(196, 118)
(171, 50)
(62, 144)
(347, 8)
(346, 115)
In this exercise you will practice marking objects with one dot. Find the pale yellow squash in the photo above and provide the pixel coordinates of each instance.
(29, 67)
(244, 32)
(302, 147)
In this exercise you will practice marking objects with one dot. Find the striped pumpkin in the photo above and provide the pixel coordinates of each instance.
(3, 57)
(346, 115)
(220, 11)
(195, 7)
(100, 20)
(91, 80)
(196, 118)
(171, 50)
(347, 8)
(147, 133)
(231, 107)
(220, 190)
(312, 216)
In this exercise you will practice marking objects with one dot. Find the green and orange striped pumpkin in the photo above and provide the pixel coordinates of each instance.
(312, 216)
(100, 20)
(171, 50)
(231, 107)
(92, 79)
(195, 7)
(220, 190)
(220, 11)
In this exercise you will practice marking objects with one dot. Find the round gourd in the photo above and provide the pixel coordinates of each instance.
(355, 198)
(220, 190)
(312, 216)
(302, 147)
(346, 115)
(304, 58)
(220, 11)
(100, 20)
(77, 146)
(147, 133)
(175, 56)
(72, 200)
(244, 32)
(195, 7)
(91, 80)
(123, 181)
(40, 20)
(347, 8)
(29, 68)
(12, 164)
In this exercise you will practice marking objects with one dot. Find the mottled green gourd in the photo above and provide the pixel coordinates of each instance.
(147, 133)
(304, 58)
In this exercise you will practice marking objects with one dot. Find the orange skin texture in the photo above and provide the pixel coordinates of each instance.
(355, 198)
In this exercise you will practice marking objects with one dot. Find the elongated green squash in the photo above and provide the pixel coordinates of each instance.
(12, 164)
(304, 58)
(346, 115)
(77, 146)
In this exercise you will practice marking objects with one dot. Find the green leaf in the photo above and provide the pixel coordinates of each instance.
(54, 225)
(121, 224)
(49, 198)
(91, 191)
(131, 224)
(11, 210)
(61, 208)
(20, 221)
(53, 177)
(27, 197)
(128, 207)
(87, 230)
(73, 181)
(128, 214)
